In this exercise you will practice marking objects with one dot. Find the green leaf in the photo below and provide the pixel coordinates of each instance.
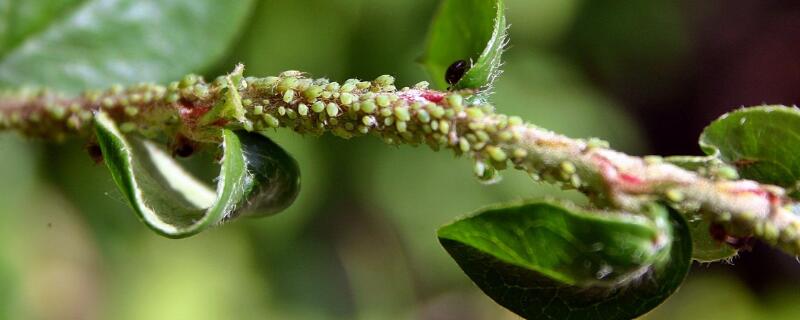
(543, 260)
(471, 30)
(256, 178)
(78, 44)
(761, 142)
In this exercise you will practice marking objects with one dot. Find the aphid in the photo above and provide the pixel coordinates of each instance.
(94, 151)
(183, 147)
(456, 71)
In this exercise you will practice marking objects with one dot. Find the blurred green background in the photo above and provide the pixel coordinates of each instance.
(360, 241)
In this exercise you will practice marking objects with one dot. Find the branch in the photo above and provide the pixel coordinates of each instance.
(460, 121)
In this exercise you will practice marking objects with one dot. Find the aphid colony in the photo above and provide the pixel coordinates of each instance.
(414, 115)
(456, 120)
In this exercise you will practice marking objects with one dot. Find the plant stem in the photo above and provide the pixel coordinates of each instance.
(460, 121)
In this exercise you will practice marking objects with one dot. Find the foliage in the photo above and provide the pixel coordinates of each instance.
(539, 259)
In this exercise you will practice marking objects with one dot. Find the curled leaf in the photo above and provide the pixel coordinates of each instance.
(471, 31)
(546, 261)
(256, 177)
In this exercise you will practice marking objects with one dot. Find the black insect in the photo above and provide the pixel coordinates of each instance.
(456, 71)
(183, 147)
(94, 151)
(719, 233)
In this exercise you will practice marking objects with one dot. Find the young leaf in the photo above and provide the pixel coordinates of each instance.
(761, 142)
(546, 261)
(93, 43)
(256, 178)
(469, 30)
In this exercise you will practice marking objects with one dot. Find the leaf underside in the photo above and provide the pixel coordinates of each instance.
(544, 261)
(256, 178)
(471, 30)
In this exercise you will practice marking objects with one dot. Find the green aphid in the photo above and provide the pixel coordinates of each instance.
(269, 82)
(422, 85)
(136, 98)
(568, 167)
(312, 93)
(188, 81)
(388, 121)
(423, 116)
(402, 114)
(332, 109)
(258, 109)
(475, 126)
(201, 91)
(287, 83)
(318, 106)
(332, 87)
(575, 180)
(127, 127)
(57, 112)
(474, 113)
(291, 114)
(271, 121)
(482, 136)
(385, 80)
(455, 100)
(282, 111)
(131, 111)
(363, 85)
(520, 153)
(444, 126)
(505, 136)
(674, 195)
(347, 87)
(288, 96)
(116, 89)
(463, 144)
(346, 99)
(382, 100)
(496, 153)
(368, 106)
(368, 121)
(401, 126)
(436, 111)
(108, 103)
(302, 109)
(247, 102)
(171, 98)
(597, 143)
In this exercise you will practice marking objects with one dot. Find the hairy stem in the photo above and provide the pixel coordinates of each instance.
(194, 110)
